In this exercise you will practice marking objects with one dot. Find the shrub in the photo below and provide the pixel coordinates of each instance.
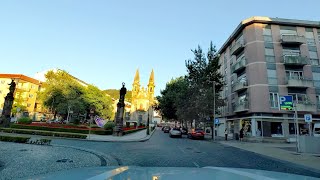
(109, 126)
(24, 120)
(44, 133)
(14, 139)
(132, 131)
(106, 132)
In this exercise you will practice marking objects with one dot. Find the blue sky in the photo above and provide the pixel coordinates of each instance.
(104, 42)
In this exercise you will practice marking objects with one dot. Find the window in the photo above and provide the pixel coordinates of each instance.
(2, 81)
(310, 37)
(274, 100)
(28, 105)
(267, 34)
(318, 101)
(0, 91)
(32, 86)
(316, 79)
(242, 98)
(269, 52)
(30, 95)
(272, 76)
(299, 98)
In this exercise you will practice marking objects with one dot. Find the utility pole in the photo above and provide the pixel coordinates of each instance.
(214, 111)
(297, 127)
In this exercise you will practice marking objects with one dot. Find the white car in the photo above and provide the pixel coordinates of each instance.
(175, 132)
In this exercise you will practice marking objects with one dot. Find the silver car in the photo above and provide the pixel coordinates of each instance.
(175, 132)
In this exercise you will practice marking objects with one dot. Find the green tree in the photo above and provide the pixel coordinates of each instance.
(114, 93)
(62, 91)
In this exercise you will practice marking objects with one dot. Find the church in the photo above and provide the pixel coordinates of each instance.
(142, 100)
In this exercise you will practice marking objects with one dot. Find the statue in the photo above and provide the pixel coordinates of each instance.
(6, 112)
(120, 112)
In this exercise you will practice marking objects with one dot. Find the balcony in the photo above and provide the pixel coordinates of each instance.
(239, 65)
(292, 39)
(306, 106)
(294, 60)
(299, 82)
(241, 106)
(240, 85)
(318, 106)
(237, 47)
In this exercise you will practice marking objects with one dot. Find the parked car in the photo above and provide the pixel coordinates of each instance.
(196, 134)
(184, 131)
(175, 132)
(166, 129)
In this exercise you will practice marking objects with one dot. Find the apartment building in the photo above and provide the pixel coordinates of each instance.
(27, 90)
(265, 58)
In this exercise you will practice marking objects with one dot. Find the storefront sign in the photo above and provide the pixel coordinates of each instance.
(286, 103)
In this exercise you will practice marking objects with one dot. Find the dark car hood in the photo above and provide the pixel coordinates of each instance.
(166, 173)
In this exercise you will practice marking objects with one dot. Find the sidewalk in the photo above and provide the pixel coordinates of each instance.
(133, 137)
(280, 151)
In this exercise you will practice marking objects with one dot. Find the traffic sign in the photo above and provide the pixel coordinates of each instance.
(216, 121)
(308, 118)
(286, 103)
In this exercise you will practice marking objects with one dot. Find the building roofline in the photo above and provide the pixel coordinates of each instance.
(267, 20)
(21, 76)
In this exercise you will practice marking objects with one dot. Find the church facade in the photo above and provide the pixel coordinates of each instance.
(142, 99)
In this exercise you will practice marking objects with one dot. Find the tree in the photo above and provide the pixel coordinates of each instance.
(62, 91)
(191, 97)
(114, 93)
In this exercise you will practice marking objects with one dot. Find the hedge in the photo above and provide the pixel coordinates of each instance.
(132, 131)
(25, 120)
(70, 130)
(14, 139)
(43, 133)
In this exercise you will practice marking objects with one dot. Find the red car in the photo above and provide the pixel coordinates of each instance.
(196, 134)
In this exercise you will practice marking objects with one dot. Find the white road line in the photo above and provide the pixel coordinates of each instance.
(181, 149)
(197, 165)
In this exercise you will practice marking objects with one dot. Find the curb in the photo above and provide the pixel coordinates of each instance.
(106, 160)
(147, 138)
(293, 164)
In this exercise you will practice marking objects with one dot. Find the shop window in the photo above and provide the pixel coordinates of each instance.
(276, 128)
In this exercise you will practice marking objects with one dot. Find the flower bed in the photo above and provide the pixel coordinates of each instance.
(132, 128)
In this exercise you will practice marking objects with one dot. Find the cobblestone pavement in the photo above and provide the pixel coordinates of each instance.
(159, 151)
(163, 151)
(23, 160)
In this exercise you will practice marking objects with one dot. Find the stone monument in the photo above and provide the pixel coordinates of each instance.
(120, 112)
(8, 101)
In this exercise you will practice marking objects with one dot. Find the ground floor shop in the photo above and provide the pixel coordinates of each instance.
(268, 127)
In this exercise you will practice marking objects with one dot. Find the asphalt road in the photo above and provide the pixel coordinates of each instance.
(25, 160)
(163, 151)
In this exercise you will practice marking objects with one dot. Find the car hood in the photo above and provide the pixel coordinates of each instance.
(166, 173)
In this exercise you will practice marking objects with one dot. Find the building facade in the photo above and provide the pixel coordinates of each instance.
(26, 93)
(265, 58)
(142, 99)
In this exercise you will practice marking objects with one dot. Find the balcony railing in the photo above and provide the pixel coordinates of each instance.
(294, 60)
(239, 85)
(241, 106)
(292, 39)
(299, 81)
(237, 47)
(306, 106)
(239, 65)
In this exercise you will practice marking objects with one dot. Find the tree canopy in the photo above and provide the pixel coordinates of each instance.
(114, 93)
(62, 91)
(191, 97)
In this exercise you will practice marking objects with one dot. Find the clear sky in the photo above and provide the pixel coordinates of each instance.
(103, 42)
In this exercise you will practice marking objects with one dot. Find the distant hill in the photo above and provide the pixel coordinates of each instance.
(114, 93)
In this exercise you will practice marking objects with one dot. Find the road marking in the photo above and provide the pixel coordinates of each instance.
(197, 165)
(181, 149)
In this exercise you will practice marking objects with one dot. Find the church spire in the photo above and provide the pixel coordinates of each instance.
(151, 79)
(137, 77)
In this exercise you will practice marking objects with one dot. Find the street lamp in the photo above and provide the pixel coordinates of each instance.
(148, 121)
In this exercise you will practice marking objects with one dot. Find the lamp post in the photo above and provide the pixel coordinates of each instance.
(214, 111)
(91, 119)
(148, 121)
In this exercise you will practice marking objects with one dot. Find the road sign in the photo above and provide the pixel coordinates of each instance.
(308, 118)
(216, 121)
(286, 103)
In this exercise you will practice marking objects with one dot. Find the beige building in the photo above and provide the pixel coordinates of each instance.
(265, 58)
(26, 92)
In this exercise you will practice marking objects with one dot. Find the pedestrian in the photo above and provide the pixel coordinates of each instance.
(241, 135)
(226, 134)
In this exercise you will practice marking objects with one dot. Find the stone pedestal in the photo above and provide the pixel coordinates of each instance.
(118, 131)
